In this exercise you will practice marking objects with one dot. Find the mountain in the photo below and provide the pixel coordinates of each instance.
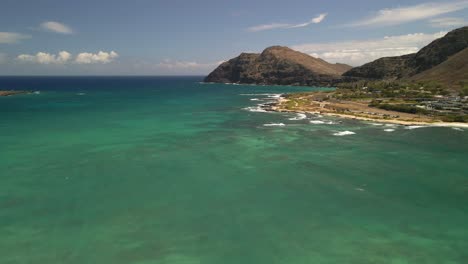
(450, 72)
(410, 65)
(277, 66)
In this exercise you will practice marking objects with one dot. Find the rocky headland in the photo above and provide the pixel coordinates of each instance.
(278, 66)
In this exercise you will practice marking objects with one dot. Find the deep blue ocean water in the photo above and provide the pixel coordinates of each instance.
(169, 170)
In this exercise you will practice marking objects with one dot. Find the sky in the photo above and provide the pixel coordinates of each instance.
(174, 37)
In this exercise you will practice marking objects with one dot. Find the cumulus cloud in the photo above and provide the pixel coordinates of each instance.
(357, 52)
(92, 58)
(401, 15)
(45, 58)
(448, 22)
(56, 27)
(11, 37)
(64, 57)
(315, 20)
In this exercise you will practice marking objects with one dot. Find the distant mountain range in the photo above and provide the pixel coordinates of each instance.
(445, 60)
(277, 66)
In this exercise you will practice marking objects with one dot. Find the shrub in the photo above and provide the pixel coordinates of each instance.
(455, 118)
(403, 108)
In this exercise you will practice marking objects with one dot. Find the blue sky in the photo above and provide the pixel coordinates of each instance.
(144, 37)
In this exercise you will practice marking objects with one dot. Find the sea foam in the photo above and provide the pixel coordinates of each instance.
(255, 109)
(316, 122)
(320, 122)
(274, 124)
(344, 133)
(298, 116)
(414, 127)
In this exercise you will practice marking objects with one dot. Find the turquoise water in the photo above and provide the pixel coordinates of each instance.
(167, 170)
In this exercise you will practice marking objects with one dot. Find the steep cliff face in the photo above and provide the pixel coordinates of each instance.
(277, 66)
(409, 65)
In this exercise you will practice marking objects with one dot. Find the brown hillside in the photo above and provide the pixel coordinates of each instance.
(409, 65)
(451, 72)
(278, 66)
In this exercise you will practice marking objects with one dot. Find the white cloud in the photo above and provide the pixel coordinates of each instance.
(92, 58)
(45, 58)
(178, 65)
(448, 22)
(401, 15)
(64, 57)
(10, 37)
(315, 20)
(319, 18)
(357, 52)
(56, 27)
(174, 67)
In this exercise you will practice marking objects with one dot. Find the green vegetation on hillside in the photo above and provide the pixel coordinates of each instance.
(391, 89)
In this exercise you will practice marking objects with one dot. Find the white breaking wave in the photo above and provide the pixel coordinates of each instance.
(262, 94)
(255, 109)
(259, 108)
(389, 130)
(414, 127)
(274, 124)
(298, 116)
(320, 122)
(276, 96)
(316, 122)
(457, 129)
(344, 133)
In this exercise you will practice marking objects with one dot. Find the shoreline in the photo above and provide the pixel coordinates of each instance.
(274, 85)
(276, 107)
(5, 93)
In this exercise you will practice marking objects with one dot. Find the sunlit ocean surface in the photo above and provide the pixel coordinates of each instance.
(168, 170)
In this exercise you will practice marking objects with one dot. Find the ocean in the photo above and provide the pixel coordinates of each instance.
(171, 170)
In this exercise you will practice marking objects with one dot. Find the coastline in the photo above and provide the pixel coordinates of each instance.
(11, 93)
(274, 85)
(278, 107)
